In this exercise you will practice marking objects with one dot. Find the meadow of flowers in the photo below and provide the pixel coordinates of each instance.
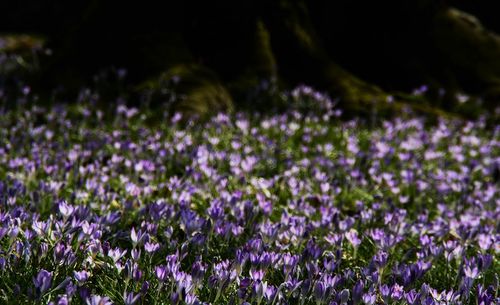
(299, 207)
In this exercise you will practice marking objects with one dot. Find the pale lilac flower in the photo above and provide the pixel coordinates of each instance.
(98, 300)
(151, 247)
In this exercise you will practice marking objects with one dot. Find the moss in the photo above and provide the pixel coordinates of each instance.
(265, 63)
(20, 43)
(469, 50)
(198, 90)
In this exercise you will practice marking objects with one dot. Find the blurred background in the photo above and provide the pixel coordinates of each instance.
(435, 56)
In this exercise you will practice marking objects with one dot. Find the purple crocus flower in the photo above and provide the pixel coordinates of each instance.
(471, 271)
(352, 237)
(137, 237)
(412, 296)
(116, 254)
(319, 291)
(63, 300)
(130, 298)
(369, 298)
(357, 292)
(161, 273)
(198, 271)
(151, 247)
(485, 296)
(65, 209)
(385, 291)
(42, 281)
(81, 276)
(98, 300)
(397, 292)
(343, 296)
(256, 274)
(136, 254)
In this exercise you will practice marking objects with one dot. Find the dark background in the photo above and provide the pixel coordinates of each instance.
(358, 50)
